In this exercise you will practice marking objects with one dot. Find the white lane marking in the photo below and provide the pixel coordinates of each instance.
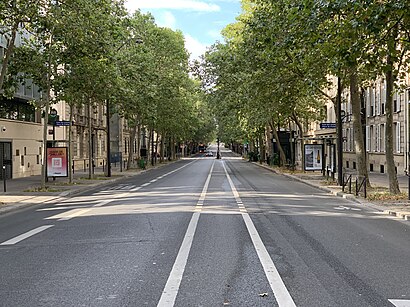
(73, 214)
(76, 213)
(276, 283)
(171, 288)
(26, 235)
(400, 303)
(347, 208)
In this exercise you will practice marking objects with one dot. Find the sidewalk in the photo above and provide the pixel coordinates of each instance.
(399, 207)
(21, 192)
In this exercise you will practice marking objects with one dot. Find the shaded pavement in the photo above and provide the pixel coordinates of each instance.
(395, 207)
(21, 192)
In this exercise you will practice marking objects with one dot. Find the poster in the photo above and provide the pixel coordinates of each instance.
(313, 157)
(57, 163)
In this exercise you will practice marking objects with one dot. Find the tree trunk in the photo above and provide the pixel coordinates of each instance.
(162, 149)
(131, 147)
(302, 141)
(156, 147)
(391, 170)
(90, 140)
(139, 142)
(262, 148)
(282, 155)
(45, 132)
(357, 126)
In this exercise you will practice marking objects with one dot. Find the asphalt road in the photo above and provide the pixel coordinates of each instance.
(204, 232)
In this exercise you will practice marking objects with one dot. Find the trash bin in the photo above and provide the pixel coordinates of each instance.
(141, 163)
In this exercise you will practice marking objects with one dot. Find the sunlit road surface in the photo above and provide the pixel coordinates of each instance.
(204, 232)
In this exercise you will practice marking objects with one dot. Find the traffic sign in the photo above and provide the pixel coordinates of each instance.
(62, 123)
(327, 125)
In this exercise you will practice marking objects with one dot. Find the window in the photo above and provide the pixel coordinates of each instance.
(368, 102)
(397, 136)
(22, 160)
(377, 149)
(368, 138)
(382, 96)
(351, 140)
(377, 99)
(347, 142)
(382, 137)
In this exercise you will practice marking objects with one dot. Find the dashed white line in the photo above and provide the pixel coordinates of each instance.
(276, 283)
(171, 288)
(26, 235)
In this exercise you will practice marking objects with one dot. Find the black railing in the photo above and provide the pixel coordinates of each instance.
(346, 182)
(361, 183)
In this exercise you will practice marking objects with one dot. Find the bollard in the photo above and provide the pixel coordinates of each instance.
(4, 179)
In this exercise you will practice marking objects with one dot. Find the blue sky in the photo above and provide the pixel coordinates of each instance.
(201, 21)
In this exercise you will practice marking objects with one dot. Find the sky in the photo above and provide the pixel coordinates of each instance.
(201, 21)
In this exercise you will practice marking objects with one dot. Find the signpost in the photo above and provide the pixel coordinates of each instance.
(327, 125)
(60, 123)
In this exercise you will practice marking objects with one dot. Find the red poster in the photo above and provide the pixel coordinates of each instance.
(57, 163)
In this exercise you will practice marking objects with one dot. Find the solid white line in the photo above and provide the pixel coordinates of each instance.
(400, 303)
(171, 288)
(276, 283)
(26, 235)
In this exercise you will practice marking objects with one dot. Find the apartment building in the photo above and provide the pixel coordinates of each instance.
(373, 116)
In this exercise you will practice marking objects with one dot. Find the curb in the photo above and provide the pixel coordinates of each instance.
(350, 197)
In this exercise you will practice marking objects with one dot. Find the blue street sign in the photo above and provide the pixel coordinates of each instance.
(327, 125)
(62, 123)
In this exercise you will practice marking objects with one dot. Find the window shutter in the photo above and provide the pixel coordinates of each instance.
(400, 100)
(368, 102)
(367, 138)
(398, 137)
(377, 138)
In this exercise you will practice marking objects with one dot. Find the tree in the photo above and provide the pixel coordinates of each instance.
(14, 17)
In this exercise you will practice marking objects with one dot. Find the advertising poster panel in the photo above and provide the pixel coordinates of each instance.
(57, 162)
(313, 157)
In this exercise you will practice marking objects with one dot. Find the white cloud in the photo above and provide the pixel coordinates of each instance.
(215, 34)
(192, 5)
(166, 19)
(194, 46)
